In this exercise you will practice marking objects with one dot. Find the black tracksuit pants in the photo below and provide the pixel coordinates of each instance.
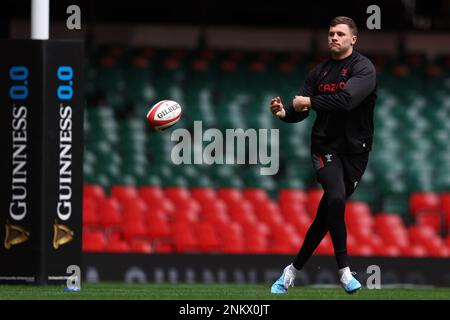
(339, 175)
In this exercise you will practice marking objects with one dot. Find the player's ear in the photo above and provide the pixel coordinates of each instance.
(354, 38)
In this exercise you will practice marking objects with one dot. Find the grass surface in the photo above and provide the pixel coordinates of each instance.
(123, 291)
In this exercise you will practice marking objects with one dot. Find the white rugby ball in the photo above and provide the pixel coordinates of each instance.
(164, 114)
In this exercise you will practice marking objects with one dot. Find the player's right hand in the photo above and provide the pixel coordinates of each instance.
(277, 108)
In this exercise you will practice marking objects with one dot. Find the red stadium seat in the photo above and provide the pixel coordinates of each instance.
(391, 229)
(439, 252)
(375, 242)
(359, 220)
(177, 194)
(424, 201)
(256, 244)
(351, 240)
(230, 195)
(292, 209)
(159, 231)
(285, 239)
(124, 193)
(446, 244)
(256, 227)
(164, 248)
(269, 213)
(94, 241)
(361, 232)
(183, 237)
(256, 195)
(186, 216)
(163, 204)
(242, 212)
(436, 247)
(157, 225)
(427, 208)
(286, 231)
(204, 195)
(360, 250)
(188, 204)
(388, 251)
(233, 246)
(360, 223)
(134, 228)
(215, 212)
(114, 235)
(388, 219)
(357, 210)
(109, 212)
(300, 220)
(140, 246)
(90, 216)
(290, 196)
(232, 238)
(434, 220)
(217, 205)
(208, 241)
(133, 209)
(93, 191)
(397, 237)
(217, 217)
(267, 205)
(151, 193)
(154, 198)
(282, 247)
(414, 251)
(421, 234)
(445, 206)
(117, 245)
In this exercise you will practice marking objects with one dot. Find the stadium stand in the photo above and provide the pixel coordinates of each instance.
(135, 200)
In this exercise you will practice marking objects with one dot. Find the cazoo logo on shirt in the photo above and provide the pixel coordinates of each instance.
(331, 87)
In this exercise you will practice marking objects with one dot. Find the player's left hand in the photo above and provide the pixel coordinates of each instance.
(301, 103)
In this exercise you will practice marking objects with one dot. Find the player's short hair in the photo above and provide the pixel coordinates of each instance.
(345, 20)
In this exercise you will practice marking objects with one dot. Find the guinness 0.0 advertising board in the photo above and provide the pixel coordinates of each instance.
(41, 116)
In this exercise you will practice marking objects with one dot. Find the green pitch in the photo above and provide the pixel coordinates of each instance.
(214, 291)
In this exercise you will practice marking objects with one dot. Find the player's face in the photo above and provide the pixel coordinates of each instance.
(340, 39)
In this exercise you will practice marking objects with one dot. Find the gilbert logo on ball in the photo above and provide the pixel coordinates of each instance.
(164, 114)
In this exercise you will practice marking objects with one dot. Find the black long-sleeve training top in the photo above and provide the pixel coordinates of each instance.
(343, 93)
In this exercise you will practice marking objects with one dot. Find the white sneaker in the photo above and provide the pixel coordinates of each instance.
(285, 281)
(348, 281)
(289, 276)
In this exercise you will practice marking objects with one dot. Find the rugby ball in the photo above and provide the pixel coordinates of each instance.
(164, 114)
